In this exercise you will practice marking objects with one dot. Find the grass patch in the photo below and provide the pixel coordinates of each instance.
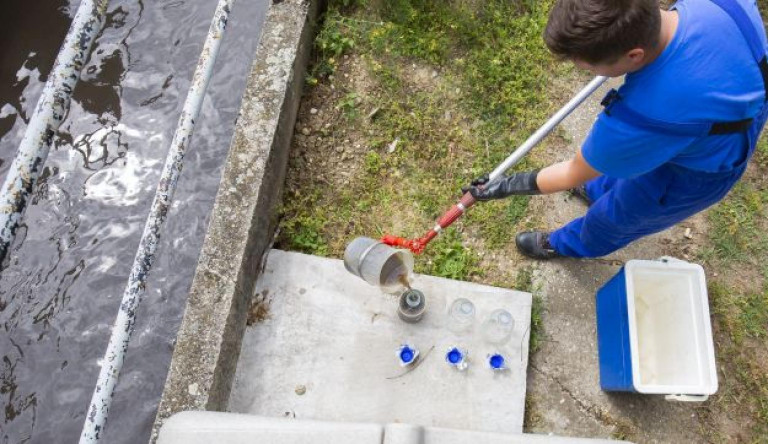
(537, 324)
(457, 86)
(450, 259)
(524, 282)
(741, 315)
(532, 417)
(736, 225)
(741, 329)
(500, 220)
(738, 245)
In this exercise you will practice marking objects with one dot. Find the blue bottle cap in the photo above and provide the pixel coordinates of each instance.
(496, 361)
(457, 358)
(407, 354)
(454, 356)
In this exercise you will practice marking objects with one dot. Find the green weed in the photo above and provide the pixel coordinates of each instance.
(348, 105)
(450, 259)
(537, 324)
(333, 40)
(373, 163)
(305, 234)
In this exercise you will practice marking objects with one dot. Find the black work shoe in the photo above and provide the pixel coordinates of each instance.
(535, 244)
(581, 193)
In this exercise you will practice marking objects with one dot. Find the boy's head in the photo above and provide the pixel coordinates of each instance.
(607, 37)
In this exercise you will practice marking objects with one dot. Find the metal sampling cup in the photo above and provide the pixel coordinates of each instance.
(378, 264)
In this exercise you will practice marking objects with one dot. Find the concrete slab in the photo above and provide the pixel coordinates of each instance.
(327, 351)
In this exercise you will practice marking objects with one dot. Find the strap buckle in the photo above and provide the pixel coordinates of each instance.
(610, 98)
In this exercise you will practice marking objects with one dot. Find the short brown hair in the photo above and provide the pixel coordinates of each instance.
(599, 31)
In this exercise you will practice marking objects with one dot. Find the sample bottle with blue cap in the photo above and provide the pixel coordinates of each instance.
(457, 358)
(497, 362)
(407, 355)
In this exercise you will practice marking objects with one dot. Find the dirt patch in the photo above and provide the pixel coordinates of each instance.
(259, 310)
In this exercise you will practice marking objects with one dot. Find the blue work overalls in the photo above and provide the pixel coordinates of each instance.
(624, 210)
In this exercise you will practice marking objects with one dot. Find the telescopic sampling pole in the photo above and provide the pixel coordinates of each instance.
(466, 201)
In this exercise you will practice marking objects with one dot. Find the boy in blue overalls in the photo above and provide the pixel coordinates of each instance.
(673, 139)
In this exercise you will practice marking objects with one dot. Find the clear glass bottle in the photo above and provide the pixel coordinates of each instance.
(497, 327)
(461, 316)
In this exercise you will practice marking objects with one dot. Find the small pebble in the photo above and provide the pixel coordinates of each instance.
(393, 146)
(305, 131)
(688, 233)
(300, 390)
(313, 111)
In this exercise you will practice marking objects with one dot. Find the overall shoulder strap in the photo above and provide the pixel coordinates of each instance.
(614, 106)
(750, 33)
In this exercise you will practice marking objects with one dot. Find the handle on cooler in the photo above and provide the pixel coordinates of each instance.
(687, 398)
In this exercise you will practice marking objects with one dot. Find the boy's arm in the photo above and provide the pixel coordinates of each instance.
(565, 175)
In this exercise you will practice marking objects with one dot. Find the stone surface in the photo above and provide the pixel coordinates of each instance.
(337, 336)
(242, 220)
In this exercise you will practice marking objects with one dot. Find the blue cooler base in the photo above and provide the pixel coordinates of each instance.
(613, 336)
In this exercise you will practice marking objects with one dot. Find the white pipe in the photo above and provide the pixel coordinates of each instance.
(51, 108)
(545, 129)
(96, 416)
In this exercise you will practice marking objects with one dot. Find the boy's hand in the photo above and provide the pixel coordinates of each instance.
(512, 185)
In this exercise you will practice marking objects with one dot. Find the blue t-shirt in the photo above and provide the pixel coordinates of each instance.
(707, 73)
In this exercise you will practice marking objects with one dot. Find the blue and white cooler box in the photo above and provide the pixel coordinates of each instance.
(653, 331)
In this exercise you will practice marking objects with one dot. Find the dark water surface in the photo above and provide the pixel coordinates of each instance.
(68, 268)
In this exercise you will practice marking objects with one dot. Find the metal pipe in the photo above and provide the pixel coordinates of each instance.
(96, 416)
(545, 129)
(51, 108)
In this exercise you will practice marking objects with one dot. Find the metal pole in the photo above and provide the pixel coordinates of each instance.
(51, 108)
(96, 416)
(547, 127)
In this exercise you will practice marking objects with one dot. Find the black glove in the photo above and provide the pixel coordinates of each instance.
(514, 184)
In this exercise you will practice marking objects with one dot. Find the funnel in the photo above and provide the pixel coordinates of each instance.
(378, 264)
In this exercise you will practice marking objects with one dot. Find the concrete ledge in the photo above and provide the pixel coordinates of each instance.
(243, 220)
